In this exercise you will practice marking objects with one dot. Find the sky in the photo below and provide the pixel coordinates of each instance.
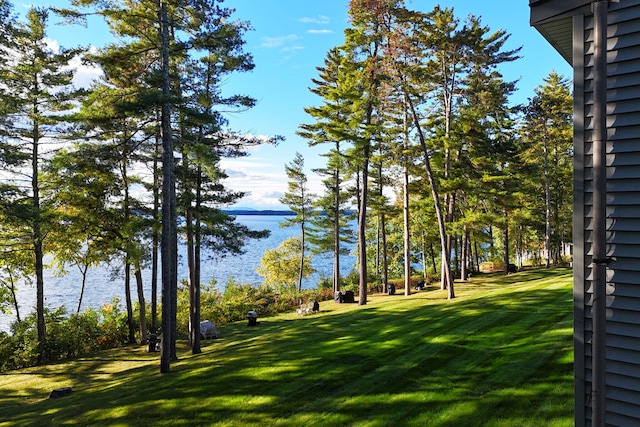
(290, 38)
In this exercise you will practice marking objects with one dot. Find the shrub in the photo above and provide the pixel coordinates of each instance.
(113, 325)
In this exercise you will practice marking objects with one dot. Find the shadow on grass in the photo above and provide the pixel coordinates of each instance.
(396, 361)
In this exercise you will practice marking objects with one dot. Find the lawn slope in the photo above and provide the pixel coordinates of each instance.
(500, 354)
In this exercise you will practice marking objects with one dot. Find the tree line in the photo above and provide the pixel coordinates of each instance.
(412, 105)
(423, 139)
(102, 174)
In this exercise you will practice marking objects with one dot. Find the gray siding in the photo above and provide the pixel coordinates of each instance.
(623, 214)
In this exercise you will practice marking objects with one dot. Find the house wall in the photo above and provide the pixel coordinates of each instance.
(623, 214)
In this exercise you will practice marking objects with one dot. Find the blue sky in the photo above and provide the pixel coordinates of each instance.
(289, 40)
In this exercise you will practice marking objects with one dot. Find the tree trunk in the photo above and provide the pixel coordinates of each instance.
(475, 245)
(155, 237)
(464, 254)
(40, 323)
(336, 227)
(385, 256)
(446, 270)
(37, 242)
(83, 272)
(423, 245)
(547, 199)
(194, 327)
(362, 229)
(405, 206)
(142, 303)
(302, 248)
(127, 297)
(506, 242)
(433, 258)
(195, 303)
(14, 299)
(169, 255)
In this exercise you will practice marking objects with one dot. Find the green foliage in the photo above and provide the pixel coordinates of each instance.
(67, 336)
(237, 299)
(280, 267)
(350, 282)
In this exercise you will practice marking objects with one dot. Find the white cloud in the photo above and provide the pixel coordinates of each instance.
(85, 74)
(320, 32)
(264, 182)
(274, 42)
(320, 19)
(53, 45)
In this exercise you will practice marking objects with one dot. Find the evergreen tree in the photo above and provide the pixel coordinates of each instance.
(362, 76)
(548, 132)
(35, 91)
(300, 201)
(158, 41)
(330, 229)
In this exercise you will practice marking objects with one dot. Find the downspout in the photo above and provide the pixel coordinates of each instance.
(599, 259)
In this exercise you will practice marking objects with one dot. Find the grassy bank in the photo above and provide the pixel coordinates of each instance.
(500, 354)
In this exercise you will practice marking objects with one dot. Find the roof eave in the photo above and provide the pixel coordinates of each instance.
(554, 20)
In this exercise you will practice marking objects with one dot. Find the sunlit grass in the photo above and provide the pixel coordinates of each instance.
(500, 354)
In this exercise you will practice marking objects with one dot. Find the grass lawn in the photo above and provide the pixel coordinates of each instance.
(500, 354)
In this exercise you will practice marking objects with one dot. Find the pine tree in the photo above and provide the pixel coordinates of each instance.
(362, 77)
(158, 42)
(548, 133)
(300, 201)
(36, 90)
(330, 229)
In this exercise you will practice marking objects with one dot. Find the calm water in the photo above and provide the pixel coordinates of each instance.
(103, 285)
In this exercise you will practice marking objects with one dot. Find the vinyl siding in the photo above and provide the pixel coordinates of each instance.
(623, 215)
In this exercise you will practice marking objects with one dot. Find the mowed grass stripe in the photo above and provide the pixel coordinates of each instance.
(506, 330)
(501, 352)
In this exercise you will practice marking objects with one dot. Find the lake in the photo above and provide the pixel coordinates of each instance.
(103, 285)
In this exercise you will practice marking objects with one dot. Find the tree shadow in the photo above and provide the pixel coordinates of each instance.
(432, 362)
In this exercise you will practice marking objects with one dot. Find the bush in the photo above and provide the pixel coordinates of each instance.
(351, 282)
(67, 336)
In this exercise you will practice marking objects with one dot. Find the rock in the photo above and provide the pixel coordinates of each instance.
(60, 392)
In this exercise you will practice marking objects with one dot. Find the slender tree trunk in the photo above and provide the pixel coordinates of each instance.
(423, 245)
(446, 270)
(475, 245)
(378, 255)
(302, 250)
(156, 236)
(406, 231)
(40, 322)
(142, 303)
(506, 242)
(547, 199)
(37, 240)
(128, 243)
(194, 326)
(362, 228)
(446, 279)
(168, 242)
(127, 298)
(336, 227)
(464, 255)
(405, 203)
(433, 258)
(14, 299)
(83, 272)
(195, 348)
(385, 255)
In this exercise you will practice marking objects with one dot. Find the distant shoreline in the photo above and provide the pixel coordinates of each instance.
(259, 212)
